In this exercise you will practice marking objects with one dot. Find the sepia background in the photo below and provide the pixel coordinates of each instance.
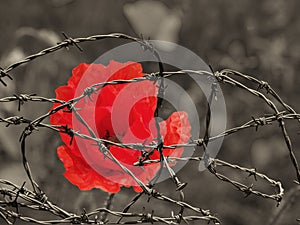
(260, 38)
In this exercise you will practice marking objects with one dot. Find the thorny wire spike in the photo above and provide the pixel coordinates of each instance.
(41, 195)
(15, 120)
(151, 76)
(23, 98)
(6, 193)
(14, 203)
(199, 142)
(3, 74)
(69, 131)
(248, 191)
(84, 218)
(70, 41)
(264, 84)
(146, 44)
(89, 91)
(178, 218)
(259, 122)
(147, 217)
(179, 184)
(252, 172)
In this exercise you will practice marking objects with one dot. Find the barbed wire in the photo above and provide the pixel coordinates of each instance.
(14, 197)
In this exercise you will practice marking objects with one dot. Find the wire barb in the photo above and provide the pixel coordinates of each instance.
(3, 73)
(69, 41)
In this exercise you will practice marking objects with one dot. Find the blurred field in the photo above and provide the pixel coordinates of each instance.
(261, 38)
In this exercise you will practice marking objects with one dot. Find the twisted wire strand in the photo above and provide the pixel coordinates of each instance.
(14, 197)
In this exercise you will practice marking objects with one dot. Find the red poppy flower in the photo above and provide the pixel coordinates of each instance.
(122, 113)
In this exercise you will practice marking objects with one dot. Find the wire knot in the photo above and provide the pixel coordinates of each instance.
(264, 84)
(252, 172)
(152, 76)
(15, 120)
(199, 142)
(148, 217)
(178, 218)
(70, 41)
(23, 98)
(279, 118)
(259, 122)
(248, 190)
(89, 91)
(146, 44)
(102, 148)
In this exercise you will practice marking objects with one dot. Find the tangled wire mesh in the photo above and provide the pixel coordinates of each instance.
(14, 197)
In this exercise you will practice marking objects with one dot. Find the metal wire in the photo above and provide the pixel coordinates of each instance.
(14, 197)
